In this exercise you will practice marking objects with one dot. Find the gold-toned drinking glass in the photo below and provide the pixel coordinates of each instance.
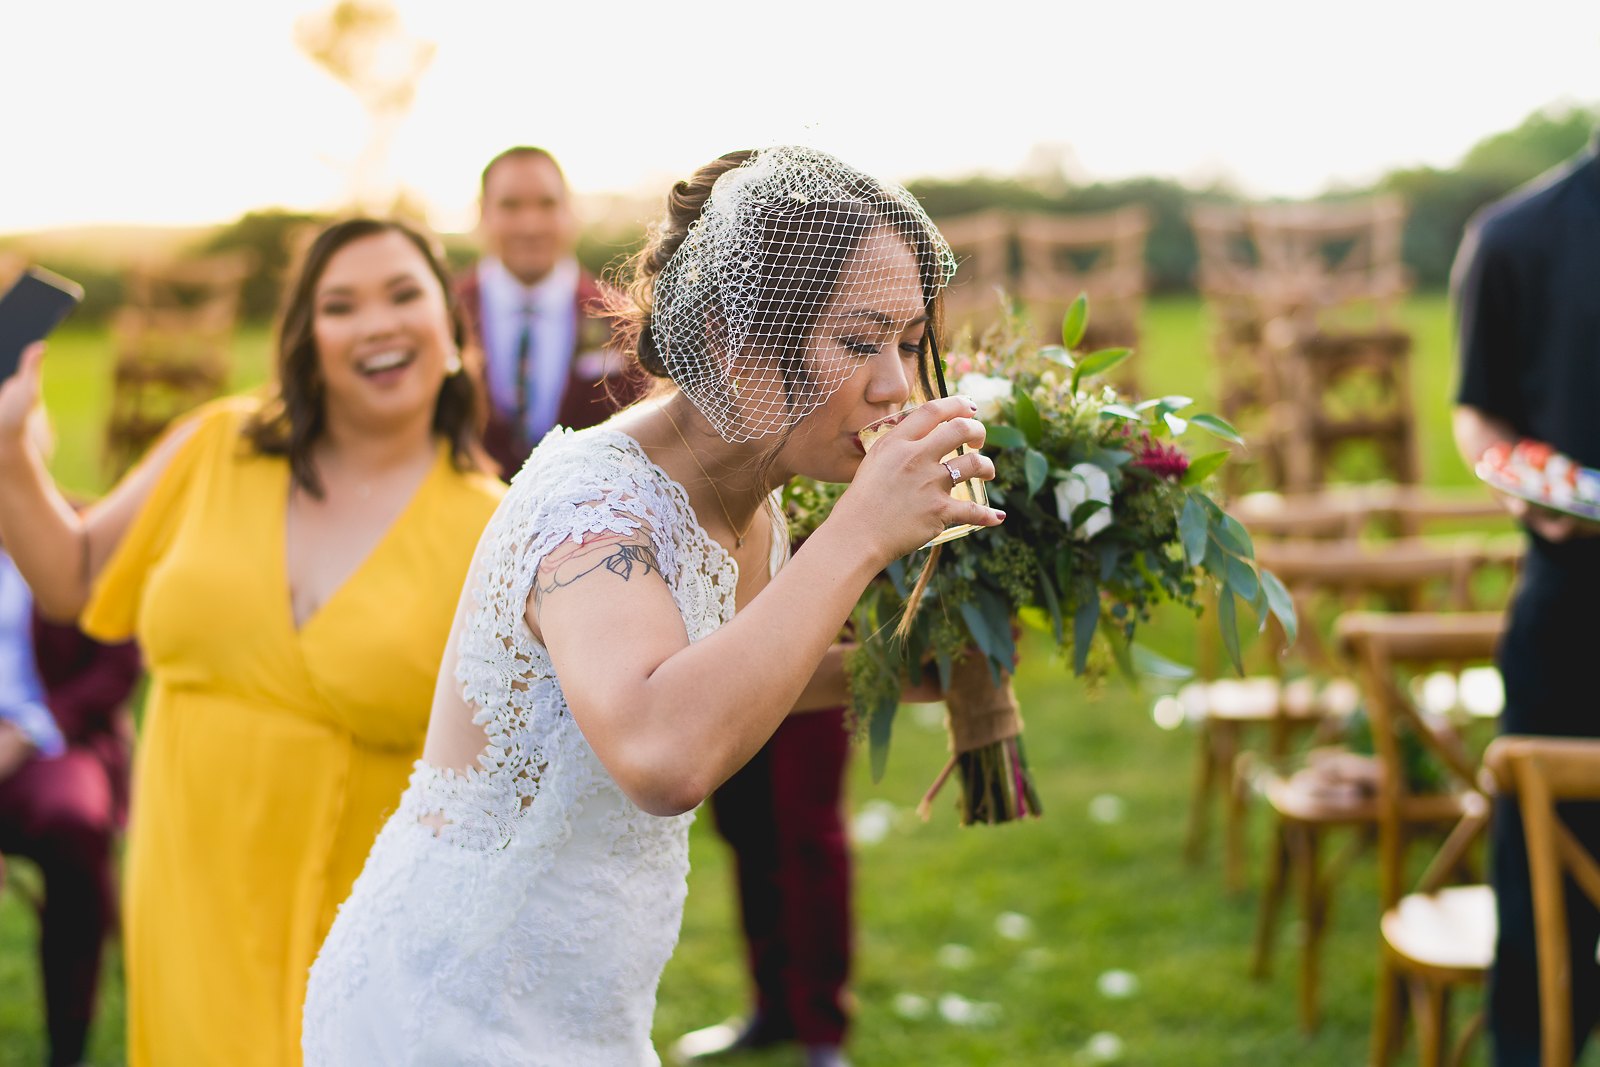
(970, 489)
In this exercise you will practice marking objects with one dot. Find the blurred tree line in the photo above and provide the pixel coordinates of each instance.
(1440, 201)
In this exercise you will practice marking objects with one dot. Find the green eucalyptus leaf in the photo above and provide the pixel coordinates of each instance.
(1203, 467)
(1084, 621)
(1120, 411)
(1110, 460)
(983, 635)
(1174, 423)
(1242, 579)
(1217, 427)
(1028, 419)
(1052, 603)
(1152, 664)
(879, 729)
(1192, 529)
(1057, 354)
(1238, 535)
(1098, 363)
(1280, 603)
(999, 435)
(1082, 512)
(1228, 538)
(1075, 321)
(1228, 621)
(1037, 468)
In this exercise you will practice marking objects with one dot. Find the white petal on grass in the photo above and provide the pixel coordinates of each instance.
(1107, 809)
(1104, 1047)
(956, 957)
(1117, 985)
(928, 716)
(911, 1006)
(957, 1010)
(1013, 926)
(1169, 713)
(873, 822)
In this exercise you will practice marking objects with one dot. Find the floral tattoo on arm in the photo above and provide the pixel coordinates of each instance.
(571, 562)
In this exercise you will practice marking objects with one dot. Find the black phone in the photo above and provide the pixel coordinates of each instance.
(29, 310)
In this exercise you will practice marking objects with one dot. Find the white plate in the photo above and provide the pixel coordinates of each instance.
(1577, 508)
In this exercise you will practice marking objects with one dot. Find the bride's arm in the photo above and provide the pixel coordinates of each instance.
(670, 719)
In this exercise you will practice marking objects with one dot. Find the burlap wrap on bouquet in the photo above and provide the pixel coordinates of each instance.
(978, 712)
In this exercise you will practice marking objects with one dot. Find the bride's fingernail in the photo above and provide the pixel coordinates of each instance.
(999, 514)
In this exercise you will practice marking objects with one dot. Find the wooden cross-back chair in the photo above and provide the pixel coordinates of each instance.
(1322, 557)
(1228, 276)
(1543, 772)
(981, 242)
(1101, 254)
(172, 340)
(1339, 794)
(1337, 366)
(1439, 937)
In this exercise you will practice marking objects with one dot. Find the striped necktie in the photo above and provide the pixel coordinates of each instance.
(523, 372)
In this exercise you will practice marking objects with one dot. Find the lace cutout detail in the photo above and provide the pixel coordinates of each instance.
(575, 486)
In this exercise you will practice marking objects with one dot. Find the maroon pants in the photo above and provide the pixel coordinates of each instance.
(782, 814)
(59, 813)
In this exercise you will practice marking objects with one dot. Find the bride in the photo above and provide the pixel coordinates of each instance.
(632, 630)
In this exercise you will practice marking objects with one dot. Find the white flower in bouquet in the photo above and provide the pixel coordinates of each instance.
(1084, 482)
(986, 392)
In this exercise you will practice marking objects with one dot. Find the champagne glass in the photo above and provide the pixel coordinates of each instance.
(970, 489)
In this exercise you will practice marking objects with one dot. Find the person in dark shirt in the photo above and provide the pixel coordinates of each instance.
(1527, 289)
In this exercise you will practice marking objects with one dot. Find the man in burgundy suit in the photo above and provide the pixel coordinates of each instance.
(537, 317)
(64, 747)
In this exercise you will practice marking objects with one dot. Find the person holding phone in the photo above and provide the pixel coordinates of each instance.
(290, 566)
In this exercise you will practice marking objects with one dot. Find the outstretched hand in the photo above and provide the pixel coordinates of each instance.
(19, 395)
(1554, 526)
(900, 498)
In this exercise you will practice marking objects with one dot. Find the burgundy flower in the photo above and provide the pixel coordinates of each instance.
(1164, 461)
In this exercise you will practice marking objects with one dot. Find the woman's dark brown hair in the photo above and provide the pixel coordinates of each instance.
(295, 418)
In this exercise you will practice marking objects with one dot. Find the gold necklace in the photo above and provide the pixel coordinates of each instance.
(738, 535)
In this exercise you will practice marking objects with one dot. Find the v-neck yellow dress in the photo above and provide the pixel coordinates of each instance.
(268, 756)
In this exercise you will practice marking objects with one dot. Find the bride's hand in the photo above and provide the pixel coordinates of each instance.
(900, 497)
(19, 395)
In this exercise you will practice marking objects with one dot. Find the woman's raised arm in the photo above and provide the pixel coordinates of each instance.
(58, 551)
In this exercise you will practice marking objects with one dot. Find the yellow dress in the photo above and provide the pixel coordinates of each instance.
(268, 756)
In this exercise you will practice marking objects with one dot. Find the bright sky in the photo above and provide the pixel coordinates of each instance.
(192, 111)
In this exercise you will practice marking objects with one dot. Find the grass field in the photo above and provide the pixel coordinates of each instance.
(1099, 881)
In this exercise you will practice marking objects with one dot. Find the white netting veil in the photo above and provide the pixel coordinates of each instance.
(798, 269)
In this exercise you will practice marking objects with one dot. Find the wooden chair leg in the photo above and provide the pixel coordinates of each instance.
(1312, 912)
(1194, 849)
(1388, 1014)
(1238, 794)
(1428, 1006)
(1271, 901)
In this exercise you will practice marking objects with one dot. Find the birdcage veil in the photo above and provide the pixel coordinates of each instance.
(779, 235)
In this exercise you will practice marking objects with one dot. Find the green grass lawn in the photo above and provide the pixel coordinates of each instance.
(1097, 894)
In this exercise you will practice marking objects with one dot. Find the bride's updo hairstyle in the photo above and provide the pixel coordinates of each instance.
(726, 293)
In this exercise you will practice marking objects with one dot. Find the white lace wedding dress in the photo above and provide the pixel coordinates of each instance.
(533, 927)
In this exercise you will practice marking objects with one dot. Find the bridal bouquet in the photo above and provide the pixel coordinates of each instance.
(1108, 514)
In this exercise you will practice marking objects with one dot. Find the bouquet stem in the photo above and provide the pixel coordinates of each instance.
(985, 725)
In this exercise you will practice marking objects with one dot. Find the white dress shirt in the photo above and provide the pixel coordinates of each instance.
(555, 331)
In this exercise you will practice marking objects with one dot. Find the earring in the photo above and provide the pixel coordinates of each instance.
(452, 365)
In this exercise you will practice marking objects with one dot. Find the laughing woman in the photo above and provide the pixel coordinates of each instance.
(290, 567)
